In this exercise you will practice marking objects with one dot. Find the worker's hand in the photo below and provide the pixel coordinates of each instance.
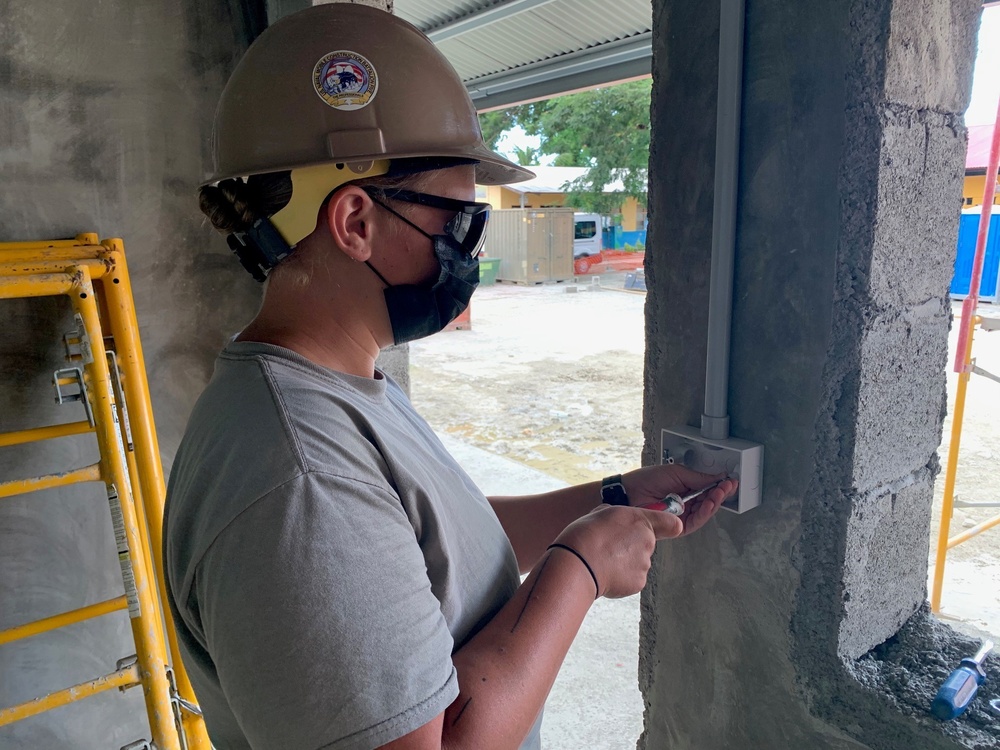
(646, 488)
(618, 543)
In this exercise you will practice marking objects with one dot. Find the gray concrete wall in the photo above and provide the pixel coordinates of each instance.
(104, 127)
(757, 631)
(105, 117)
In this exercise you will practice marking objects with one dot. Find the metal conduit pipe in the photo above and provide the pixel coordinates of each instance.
(715, 419)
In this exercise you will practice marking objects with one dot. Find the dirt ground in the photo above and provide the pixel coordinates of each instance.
(546, 377)
(551, 376)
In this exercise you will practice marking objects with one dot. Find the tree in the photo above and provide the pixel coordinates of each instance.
(526, 156)
(605, 129)
(495, 124)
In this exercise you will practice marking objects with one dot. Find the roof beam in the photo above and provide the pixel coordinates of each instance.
(605, 64)
(480, 18)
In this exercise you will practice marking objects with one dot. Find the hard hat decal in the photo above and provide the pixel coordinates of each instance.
(345, 80)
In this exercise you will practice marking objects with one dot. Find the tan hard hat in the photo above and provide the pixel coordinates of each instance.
(351, 84)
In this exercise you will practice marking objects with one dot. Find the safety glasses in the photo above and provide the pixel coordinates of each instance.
(467, 227)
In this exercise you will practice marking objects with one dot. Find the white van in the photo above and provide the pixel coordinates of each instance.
(587, 236)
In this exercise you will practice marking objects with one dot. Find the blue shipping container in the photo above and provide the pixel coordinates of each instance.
(616, 238)
(968, 228)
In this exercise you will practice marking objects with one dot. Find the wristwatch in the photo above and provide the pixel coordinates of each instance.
(612, 491)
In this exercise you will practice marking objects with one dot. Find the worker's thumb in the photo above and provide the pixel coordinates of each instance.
(664, 525)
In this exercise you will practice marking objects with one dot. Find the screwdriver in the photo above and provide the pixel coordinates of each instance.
(961, 686)
(675, 502)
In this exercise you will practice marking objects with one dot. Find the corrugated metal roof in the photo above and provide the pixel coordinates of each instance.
(501, 39)
(426, 14)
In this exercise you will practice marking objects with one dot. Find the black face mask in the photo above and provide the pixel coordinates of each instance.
(419, 311)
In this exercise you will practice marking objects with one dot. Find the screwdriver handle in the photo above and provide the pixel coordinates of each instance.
(675, 503)
(961, 685)
(957, 691)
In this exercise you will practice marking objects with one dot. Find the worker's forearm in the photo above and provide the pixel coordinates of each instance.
(532, 522)
(506, 671)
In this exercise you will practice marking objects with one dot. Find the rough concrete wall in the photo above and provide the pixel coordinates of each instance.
(850, 180)
(884, 377)
(396, 362)
(105, 114)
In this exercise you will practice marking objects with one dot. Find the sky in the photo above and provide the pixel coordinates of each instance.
(982, 108)
(986, 79)
(516, 137)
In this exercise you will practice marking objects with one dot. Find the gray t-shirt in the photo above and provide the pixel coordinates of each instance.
(324, 557)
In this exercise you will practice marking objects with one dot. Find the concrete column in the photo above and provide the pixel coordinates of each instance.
(801, 624)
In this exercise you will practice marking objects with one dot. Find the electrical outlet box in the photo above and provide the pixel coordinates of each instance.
(740, 459)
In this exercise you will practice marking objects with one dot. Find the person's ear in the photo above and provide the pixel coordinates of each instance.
(349, 220)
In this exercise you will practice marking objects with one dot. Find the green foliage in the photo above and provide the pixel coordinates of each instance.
(591, 201)
(605, 129)
(494, 124)
(526, 156)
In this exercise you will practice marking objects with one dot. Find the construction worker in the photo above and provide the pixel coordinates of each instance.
(336, 579)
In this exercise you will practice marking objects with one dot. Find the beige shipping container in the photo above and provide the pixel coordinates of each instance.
(533, 244)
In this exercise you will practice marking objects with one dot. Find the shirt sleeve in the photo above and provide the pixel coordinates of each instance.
(319, 617)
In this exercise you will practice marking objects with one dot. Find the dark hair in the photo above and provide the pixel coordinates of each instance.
(233, 205)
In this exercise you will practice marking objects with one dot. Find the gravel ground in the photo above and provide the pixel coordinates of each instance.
(547, 377)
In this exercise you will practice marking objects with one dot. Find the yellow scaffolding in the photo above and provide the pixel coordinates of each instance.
(108, 376)
(965, 366)
(946, 542)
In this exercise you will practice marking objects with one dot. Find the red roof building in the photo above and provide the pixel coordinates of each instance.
(979, 149)
(976, 161)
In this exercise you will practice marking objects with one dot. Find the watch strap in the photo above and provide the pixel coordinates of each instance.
(613, 491)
